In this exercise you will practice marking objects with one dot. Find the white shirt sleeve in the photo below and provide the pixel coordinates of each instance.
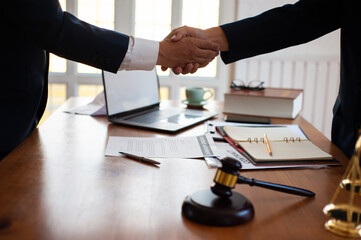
(142, 54)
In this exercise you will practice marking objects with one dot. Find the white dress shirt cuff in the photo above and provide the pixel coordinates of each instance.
(142, 54)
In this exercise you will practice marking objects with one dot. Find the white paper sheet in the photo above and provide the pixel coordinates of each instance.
(167, 147)
(95, 108)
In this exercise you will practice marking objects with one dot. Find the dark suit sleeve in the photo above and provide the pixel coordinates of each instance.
(45, 24)
(281, 27)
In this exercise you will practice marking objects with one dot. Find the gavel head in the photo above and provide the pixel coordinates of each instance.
(226, 177)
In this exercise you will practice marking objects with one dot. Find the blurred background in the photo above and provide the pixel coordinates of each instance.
(313, 67)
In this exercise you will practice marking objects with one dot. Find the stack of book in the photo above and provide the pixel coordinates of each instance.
(259, 106)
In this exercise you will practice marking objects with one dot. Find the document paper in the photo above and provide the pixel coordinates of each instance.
(95, 108)
(167, 147)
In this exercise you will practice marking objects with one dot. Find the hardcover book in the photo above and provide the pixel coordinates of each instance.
(270, 102)
(230, 117)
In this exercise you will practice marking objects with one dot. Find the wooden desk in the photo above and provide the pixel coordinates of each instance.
(58, 185)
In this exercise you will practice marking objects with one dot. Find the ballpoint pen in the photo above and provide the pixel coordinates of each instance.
(267, 145)
(140, 158)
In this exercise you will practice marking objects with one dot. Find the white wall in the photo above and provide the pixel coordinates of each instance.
(313, 66)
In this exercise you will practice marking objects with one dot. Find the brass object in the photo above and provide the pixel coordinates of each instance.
(347, 184)
(226, 179)
(345, 217)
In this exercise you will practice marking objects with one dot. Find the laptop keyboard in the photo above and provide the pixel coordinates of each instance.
(150, 117)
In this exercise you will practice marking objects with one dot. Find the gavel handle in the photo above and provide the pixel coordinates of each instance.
(277, 187)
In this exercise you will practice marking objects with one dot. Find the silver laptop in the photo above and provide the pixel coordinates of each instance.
(132, 99)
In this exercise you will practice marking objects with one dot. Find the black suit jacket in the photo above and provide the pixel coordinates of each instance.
(30, 29)
(302, 22)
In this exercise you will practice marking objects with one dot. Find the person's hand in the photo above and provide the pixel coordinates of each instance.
(186, 53)
(189, 68)
(186, 31)
(215, 35)
(176, 35)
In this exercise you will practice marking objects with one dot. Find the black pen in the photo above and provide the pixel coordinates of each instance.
(140, 158)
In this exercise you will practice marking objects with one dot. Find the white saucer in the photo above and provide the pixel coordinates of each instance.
(190, 104)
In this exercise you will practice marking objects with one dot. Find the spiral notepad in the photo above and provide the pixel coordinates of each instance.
(286, 145)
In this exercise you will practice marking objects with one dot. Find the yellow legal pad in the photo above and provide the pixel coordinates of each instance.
(286, 144)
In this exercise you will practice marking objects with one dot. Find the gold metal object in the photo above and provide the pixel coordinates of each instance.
(268, 145)
(345, 217)
(226, 179)
(348, 184)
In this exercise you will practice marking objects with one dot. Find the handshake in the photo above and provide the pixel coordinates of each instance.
(186, 49)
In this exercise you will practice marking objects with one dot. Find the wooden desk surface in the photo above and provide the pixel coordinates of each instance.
(59, 185)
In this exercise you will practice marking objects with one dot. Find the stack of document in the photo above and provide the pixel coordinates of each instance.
(233, 149)
(251, 153)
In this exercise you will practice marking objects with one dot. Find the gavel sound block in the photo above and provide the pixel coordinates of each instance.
(220, 206)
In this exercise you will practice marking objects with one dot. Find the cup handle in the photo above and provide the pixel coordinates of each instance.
(211, 94)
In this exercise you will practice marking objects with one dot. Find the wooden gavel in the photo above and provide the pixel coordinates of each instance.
(227, 177)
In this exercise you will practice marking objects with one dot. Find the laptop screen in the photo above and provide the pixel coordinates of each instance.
(130, 90)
